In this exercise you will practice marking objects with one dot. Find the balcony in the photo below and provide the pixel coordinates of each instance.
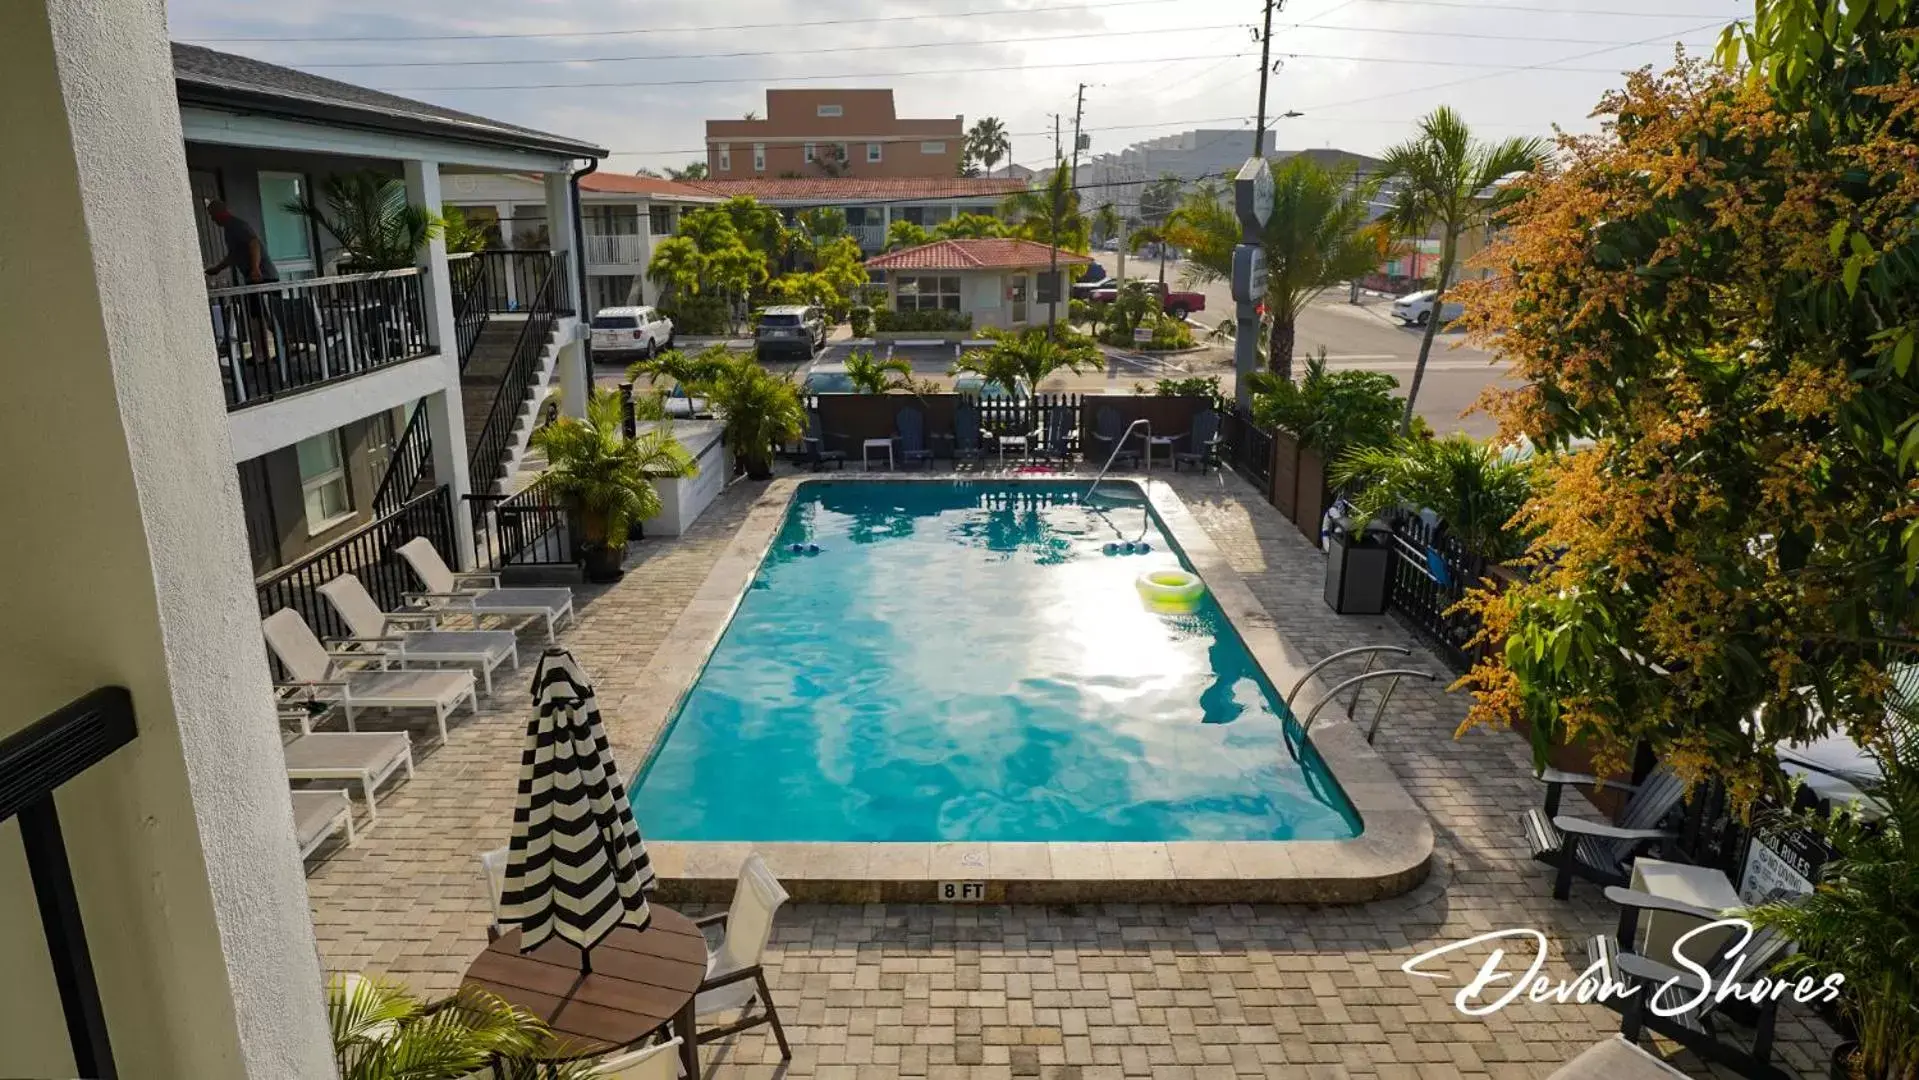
(872, 238)
(615, 249)
(281, 338)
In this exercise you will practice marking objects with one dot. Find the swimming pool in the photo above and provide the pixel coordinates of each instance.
(964, 662)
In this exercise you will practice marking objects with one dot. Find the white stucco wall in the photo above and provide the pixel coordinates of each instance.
(124, 562)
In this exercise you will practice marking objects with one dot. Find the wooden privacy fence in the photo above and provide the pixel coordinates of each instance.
(847, 420)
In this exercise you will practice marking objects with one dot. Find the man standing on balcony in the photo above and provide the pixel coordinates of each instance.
(246, 256)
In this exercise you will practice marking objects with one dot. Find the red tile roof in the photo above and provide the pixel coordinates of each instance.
(622, 184)
(996, 254)
(856, 188)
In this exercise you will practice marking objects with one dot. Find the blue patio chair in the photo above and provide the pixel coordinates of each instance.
(1053, 440)
(1109, 429)
(910, 425)
(1203, 451)
(966, 434)
(813, 449)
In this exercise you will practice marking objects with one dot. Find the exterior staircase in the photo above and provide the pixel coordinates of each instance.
(486, 378)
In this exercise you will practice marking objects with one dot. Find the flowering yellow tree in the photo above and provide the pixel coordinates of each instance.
(1720, 293)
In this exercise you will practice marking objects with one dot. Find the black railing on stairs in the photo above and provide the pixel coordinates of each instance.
(503, 282)
(485, 464)
(411, 458)
(366, 552)
(530, 528)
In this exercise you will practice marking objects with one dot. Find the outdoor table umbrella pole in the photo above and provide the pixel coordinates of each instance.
(576, 868)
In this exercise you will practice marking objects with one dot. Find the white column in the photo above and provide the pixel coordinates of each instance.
(573, 377)
(188, 880)
(505, 211)
(445, 418)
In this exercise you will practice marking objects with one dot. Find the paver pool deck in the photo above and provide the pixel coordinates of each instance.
(1068, 990)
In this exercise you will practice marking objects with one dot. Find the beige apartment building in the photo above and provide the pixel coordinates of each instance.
(829, 132)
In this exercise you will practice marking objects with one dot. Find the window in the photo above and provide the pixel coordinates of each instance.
(726, 158)
(287, 236)
(1048, 286)
(843, 152)
(923, 293)
(659, 220)
(759, 157)
(323, 482)
(932, 148)
(830, 110)
(812, 152)
(872, 152)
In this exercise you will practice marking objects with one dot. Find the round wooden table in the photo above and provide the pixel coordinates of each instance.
(641, 981)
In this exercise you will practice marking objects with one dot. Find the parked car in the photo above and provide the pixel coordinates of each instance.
(1174, 302)
(791, 328)
(1091, 279)
(975, 385)
(827, 377)
(640, 330)
(1414, 309)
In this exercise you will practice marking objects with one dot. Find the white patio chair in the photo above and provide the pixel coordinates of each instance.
(734, 977)
(479, 594)
(318, 815)
(658, 1062)
(312, 667)
(493, 872)
(416, 634)
(366, 758)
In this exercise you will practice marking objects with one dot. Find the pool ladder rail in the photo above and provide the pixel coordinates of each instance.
(1117, 447)
(1366, 675)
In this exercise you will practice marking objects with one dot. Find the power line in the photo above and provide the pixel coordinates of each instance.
(942, 44)
(1484, 5)
(632, 31)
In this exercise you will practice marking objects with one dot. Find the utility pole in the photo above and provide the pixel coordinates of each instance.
(1079, 108)
(1059, 196)
(1265, 70)
(1353, 295)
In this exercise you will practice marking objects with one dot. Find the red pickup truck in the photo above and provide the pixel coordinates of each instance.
(1177, 304)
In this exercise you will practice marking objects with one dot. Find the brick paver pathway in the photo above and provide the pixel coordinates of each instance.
(1073, 993)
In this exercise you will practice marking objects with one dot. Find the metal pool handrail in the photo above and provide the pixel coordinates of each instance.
(1119, 445)
(1306, 725)
(1374, 650)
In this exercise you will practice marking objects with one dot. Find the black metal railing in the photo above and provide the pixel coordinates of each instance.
(1431, 570)
(506, 281)
(530, 528)
(1250, 450)
(509, 401)
(412, 456)
(283, 337)
(366, 552)
(466, 272)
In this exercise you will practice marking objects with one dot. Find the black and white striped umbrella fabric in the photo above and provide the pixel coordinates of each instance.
(575, 868)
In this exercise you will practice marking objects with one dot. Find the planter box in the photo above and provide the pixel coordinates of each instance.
(1285, 474)
(684, 499)
(1309, 498)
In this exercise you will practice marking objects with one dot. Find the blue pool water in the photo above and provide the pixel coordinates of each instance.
(962, 661)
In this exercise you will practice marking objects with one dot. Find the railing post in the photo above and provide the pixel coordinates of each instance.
(627, 421)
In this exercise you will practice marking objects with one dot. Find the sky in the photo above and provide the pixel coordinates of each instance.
(1360, 71)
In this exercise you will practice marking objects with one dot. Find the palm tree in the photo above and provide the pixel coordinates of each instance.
(969, 227)
(1476, 488)
(1161, 235)
(758, 410)
(380, 1032)
(1050, 215)
(1449, 182)
(988, 142)
(367, 213)
(604, 476)
(1106, 221)
(1030, 355)
(905, 234)
(695, 170)
(1316, 237)
(872, 376)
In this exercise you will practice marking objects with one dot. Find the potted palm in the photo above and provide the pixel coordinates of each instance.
(1862, 921)
(1475, 487)
(380, 1032)
(603, 477)
(758, 410)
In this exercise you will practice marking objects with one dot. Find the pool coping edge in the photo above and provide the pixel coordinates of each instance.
(1391, 855)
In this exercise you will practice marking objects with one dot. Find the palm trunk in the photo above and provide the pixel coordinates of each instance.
(1279, 347)
(1426, 341)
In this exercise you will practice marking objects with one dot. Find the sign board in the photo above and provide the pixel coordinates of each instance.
(1253, 192)
(962, 892)
(1249, 273)
(1142, 335)
(1780, 865)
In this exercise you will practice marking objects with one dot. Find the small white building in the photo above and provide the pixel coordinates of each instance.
(1004, 283)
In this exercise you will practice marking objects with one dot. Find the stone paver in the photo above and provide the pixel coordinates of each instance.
(1080, 992)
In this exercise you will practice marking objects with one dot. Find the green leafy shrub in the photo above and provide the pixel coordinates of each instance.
(1329, 411)
(1168, 334)
(1206, 386)
(699, 315)
(886, 321)
(1475, 487)
(862, 319)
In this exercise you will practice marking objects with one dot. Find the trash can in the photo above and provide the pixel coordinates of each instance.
(1357, 564)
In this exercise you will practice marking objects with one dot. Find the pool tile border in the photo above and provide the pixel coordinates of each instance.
(1391, 856)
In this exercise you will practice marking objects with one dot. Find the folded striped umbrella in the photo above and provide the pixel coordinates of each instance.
(575, 868)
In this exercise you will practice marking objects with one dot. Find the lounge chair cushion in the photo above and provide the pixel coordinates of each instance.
(528, 601)
(316, 814)
(457, 644)
(368, 752)
(1615, 1059)
(408, 687)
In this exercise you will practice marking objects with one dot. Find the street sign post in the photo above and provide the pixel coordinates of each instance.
(1253, 205)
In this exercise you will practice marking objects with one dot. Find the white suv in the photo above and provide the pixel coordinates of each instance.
(640, 330)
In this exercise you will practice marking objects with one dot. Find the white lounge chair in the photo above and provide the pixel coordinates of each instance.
(480, 594)
(326, 674)
(734, 977)
(1615, 1059)
(493, 872)
(318, 815)
(658, 1062)
(366, 758)
(417, 634)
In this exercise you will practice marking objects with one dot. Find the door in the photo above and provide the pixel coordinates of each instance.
(287, 234)
(1017, 294)
(213, 242)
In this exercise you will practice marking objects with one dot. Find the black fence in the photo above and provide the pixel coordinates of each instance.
(489, 450)
(1430, 572)
(1250, 449)
(283, 337)
(530, 528)
(368, 553)
(407, 466)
